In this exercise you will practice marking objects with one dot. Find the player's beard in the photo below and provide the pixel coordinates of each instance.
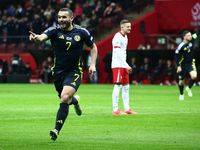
(67, 25)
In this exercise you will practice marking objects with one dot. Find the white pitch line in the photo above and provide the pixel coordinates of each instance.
(158, 113)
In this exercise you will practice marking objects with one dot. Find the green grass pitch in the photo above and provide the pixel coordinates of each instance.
(28, 111)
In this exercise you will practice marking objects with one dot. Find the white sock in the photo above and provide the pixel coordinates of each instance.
(125, 96)
(115, 96)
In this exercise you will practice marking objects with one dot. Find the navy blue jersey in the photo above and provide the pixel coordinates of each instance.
(68, 46)
(184, 53)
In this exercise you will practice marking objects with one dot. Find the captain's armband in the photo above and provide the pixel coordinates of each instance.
(194, 36)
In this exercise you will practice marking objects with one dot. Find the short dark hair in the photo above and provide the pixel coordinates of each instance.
(185, 32)
(68, 10)
(124, 21)
(16, 55)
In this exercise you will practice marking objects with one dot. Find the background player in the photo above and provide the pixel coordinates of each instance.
(185, 62)
(121, 69)
(67, 41)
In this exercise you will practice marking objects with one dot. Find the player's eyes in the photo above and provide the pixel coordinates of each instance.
(62, 17)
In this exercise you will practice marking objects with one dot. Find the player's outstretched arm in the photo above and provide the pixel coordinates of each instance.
(37, 38)
(195, 35)
(93, 52)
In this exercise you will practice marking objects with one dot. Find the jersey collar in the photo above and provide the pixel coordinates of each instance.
(121, 33)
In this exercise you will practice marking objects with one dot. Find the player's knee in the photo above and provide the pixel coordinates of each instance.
(181, 83)
(118, 84)
(193, 77)
(65, 98)
(126, 87)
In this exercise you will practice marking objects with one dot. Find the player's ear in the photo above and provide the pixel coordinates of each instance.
(72, 18)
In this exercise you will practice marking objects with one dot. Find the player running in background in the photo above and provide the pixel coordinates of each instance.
(121, 69)
(67, 40)
(184, 57)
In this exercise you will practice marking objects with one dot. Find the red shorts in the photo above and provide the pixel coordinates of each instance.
(120, 75)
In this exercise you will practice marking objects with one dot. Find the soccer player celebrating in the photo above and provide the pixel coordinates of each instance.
(121, 69)
(67, 40)
(185, 62)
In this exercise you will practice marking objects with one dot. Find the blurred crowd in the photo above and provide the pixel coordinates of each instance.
(18, 17)
(157, 71)
(17, 67)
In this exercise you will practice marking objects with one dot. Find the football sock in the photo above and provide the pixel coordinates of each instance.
(115, 96)
(125, 96)
(74, 101)
(61, 115)
(181, 89)
(191, 82)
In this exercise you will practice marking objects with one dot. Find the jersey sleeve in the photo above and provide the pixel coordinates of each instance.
(89, 40)
(50, 31)
(116, 42)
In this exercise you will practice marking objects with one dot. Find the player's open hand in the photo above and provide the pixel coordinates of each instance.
(92, 70)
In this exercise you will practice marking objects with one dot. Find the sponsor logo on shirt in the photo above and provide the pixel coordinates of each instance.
(69, 38)
(61, 37)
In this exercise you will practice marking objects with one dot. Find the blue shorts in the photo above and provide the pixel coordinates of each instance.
(186, 68)
(72, 78)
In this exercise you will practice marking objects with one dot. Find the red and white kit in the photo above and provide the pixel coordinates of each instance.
(119, 65)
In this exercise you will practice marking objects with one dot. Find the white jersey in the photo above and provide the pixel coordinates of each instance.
(119, 45)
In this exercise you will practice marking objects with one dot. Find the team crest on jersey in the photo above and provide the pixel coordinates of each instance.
(190, 44)
(77, 38)
(69, 38)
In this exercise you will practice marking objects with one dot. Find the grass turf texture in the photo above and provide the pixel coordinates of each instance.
(28, 111)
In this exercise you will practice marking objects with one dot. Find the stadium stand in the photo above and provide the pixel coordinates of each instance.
(3, 47)
(156, 31)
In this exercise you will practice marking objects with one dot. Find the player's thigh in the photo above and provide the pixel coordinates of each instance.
(73, 79)
(192, 70)
(183, 73)
(193, 74)
(125, 76)
(117, 75)
(57, 79)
